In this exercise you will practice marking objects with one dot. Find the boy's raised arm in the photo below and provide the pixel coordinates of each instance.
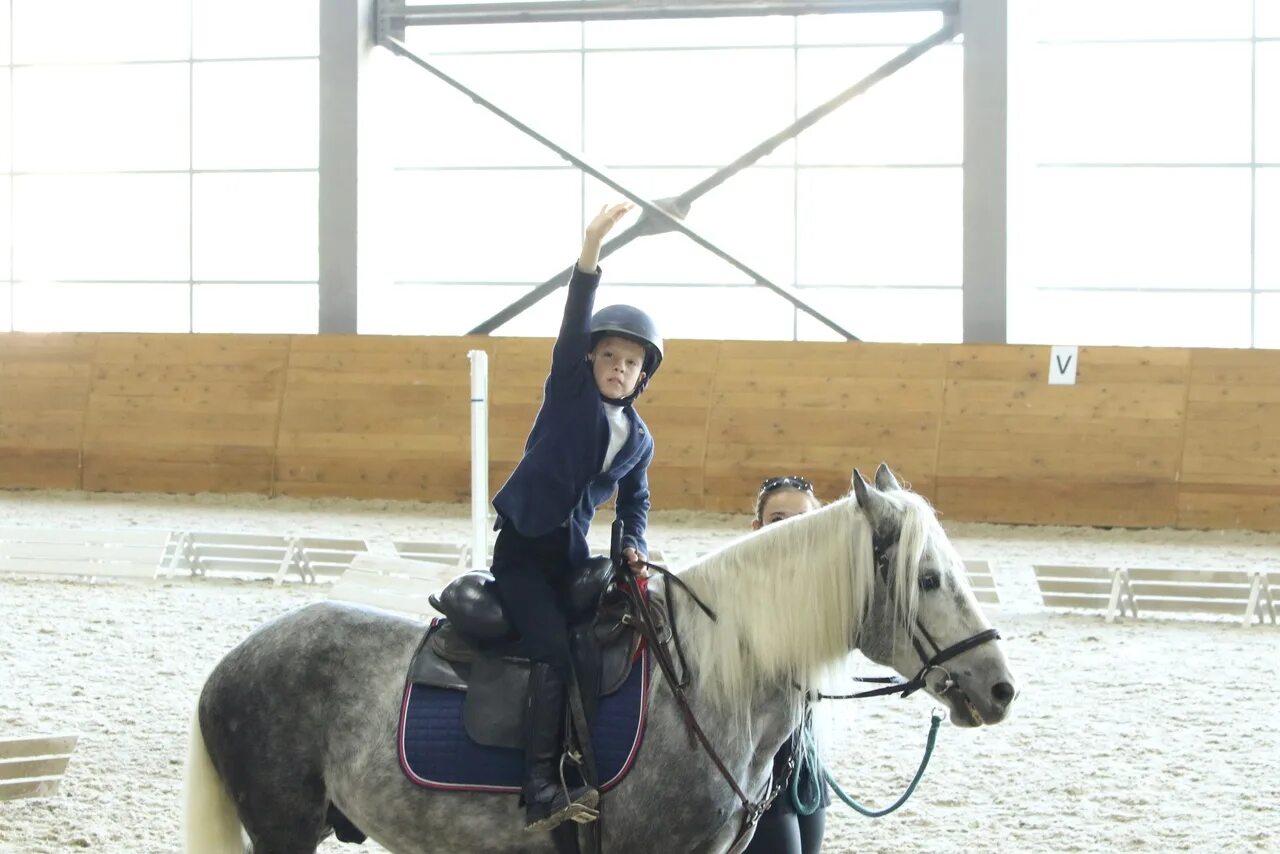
(575, 332)
(597, 229)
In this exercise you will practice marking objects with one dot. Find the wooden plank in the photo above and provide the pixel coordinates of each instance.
(80, 568)
(88, 551)
(1127, 400)
(387, 600)
(1072, 571)
(1168, 575)
(40, 745)
(206, 349)
(1080, 602)
(44, 386)
(1219, 592)
(408, 590)
(1077, 586)
(117, 469)
(1234, 607)
(39, 468)
(453, 444)
(1055, 501)
(1096, 364)
(838, 359)
(822, 427)
(982, 581)
(1228, 508)
(323, 544)
(218, 551)
(39, 787)
(1234, 367)
(999, 425)
(126, 536)
(33, 766)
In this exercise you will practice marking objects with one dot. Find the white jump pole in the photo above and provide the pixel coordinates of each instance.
(479, 458)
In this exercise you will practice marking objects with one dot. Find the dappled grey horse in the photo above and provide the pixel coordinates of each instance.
(300, 720)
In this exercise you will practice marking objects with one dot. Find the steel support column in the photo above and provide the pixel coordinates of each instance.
(346, 41)
(986, 169)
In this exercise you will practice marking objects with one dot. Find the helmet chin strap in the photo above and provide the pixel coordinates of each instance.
(624, 401)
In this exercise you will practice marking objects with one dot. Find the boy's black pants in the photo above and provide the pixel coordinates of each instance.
(532, 574)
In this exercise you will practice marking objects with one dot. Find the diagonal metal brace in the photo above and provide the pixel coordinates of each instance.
(663, 218)
(666, 215)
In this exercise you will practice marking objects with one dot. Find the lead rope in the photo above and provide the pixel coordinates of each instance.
(807, 755)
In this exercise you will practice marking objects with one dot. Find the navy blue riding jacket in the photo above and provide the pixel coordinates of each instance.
(558, 480)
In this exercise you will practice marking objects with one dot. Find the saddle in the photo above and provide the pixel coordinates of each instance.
(475, 649)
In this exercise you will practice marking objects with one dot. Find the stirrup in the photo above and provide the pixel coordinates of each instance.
(581, 813)
(576, 812)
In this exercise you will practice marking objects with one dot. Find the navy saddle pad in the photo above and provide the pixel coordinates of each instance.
(436, 750)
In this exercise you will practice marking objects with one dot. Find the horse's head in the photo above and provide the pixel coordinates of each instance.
(923, 620)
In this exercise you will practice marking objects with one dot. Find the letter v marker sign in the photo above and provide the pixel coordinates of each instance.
(1062, 364)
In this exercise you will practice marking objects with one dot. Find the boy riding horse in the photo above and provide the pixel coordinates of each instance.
(587, 439)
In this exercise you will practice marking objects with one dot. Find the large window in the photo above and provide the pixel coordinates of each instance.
(159, 173)
(1147, 205)
(862, 214)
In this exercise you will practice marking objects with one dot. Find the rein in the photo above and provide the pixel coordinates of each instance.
(647, 627)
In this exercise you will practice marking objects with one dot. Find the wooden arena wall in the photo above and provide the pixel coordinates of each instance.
(1146, 437)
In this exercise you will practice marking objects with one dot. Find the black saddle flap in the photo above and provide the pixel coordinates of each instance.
(493, 711)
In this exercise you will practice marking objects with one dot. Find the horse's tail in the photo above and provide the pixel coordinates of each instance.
(209, 821)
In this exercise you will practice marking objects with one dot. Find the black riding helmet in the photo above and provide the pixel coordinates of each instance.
(627, 321)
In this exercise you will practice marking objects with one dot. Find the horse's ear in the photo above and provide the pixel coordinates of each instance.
(885, 481)
(870, 500)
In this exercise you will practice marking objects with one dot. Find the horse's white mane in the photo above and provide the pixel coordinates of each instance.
(792, 597)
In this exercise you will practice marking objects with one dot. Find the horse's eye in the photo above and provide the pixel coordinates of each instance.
(930, 582)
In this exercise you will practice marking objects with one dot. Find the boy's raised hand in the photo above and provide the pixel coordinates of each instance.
(600, 225)
(606, 219)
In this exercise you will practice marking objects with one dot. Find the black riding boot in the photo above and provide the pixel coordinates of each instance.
(544, 797)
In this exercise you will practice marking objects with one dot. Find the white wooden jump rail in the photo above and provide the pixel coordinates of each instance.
(394, 584)
(1246, 594)
(124, 554)
(206, 553)
(440, 552)
(983, 581)
(33, 767)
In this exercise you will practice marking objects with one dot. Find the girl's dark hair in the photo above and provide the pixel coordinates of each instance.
(773, 484)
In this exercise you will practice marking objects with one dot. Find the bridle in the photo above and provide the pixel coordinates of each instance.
(930, 663)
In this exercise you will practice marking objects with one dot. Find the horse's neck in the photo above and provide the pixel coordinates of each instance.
(761, 725)
(787, 601)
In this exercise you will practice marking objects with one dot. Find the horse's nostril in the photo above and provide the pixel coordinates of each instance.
(1003, 692)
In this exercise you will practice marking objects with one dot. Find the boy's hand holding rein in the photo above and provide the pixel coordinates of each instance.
(601, 225)
(636, 561)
